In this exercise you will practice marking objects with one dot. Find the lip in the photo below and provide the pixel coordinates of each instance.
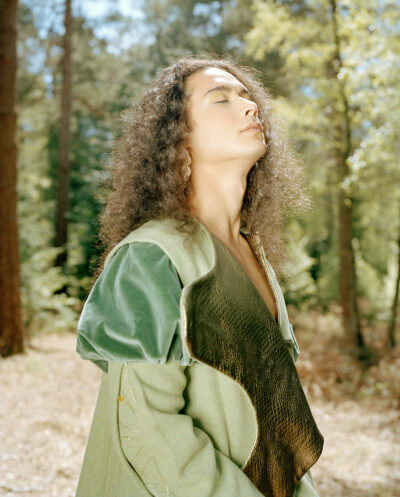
(252, 127)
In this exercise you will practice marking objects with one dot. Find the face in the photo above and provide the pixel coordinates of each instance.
(221, 107)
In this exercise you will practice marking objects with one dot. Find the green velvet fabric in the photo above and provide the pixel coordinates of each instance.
(132, 312)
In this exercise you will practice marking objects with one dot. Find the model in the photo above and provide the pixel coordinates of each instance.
(200, 395)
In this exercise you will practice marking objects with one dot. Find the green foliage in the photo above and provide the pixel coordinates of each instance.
(300, 288)
(301, 35)
(45, 310)
(292, 44)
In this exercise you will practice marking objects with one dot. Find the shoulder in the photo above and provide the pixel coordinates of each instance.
(132, 312)
(137, 271)
(190, 251)
(140, 258)
(161, 232)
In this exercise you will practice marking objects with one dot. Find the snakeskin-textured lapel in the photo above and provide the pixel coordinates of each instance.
(230, 328)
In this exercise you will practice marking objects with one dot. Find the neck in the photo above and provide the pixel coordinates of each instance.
(217, 201)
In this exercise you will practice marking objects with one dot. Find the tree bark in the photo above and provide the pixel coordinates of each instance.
(347, 279)
(64, 140)
(11, 329)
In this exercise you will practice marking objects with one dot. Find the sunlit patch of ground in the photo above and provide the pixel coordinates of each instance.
(46, 408)
(361, 457)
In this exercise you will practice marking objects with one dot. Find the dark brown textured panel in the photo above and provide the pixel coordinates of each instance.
(230, 328)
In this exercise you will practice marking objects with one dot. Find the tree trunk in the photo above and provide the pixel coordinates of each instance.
(64, 139)
(347, 280)
(11, 329)
(395, 304)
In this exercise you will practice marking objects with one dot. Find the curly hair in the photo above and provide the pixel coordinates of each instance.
(148, 161)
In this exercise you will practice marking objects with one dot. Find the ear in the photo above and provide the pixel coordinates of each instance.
(188, 151)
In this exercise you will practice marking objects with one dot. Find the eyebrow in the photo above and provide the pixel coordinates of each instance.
(227, 88)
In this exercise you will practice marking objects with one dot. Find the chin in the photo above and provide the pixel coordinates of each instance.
(263, 150)
(259, 152)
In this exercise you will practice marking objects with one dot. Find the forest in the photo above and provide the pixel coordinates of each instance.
(67, 71)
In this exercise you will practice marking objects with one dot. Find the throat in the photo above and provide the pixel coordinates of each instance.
(251, 262)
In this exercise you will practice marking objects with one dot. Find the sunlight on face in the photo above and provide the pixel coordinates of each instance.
(221, 107)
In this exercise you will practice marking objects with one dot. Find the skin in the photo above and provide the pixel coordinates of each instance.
(222, 155)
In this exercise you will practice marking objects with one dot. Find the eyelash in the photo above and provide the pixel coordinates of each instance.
(225, 100)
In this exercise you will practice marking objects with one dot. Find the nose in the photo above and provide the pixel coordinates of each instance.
(251, 108)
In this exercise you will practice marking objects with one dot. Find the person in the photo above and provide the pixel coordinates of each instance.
(199, 394)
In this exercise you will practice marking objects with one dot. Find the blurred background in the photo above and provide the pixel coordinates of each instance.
(67, 69)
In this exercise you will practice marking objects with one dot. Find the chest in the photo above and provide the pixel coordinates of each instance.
(258, 276)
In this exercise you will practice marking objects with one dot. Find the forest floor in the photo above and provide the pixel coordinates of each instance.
(48, 396)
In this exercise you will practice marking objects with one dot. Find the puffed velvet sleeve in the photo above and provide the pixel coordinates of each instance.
(132, 312)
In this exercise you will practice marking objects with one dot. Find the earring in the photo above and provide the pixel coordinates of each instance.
(186, 169)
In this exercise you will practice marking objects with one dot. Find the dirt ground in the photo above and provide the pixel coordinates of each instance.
(46, 407)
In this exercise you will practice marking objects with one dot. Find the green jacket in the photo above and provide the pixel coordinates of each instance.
(168, 420)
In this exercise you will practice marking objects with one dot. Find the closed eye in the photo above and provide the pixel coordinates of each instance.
(245, 95)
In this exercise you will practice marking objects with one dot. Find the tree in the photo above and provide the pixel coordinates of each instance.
(343, 150)
(393, 317)
(64, 140)
(338, 70)
(11, 329)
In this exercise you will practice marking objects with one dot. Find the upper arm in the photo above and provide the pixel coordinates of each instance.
(132, 312)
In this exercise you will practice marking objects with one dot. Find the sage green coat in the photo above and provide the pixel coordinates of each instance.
(165, 424)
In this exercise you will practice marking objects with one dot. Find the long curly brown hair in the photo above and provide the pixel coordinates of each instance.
(149, 163)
